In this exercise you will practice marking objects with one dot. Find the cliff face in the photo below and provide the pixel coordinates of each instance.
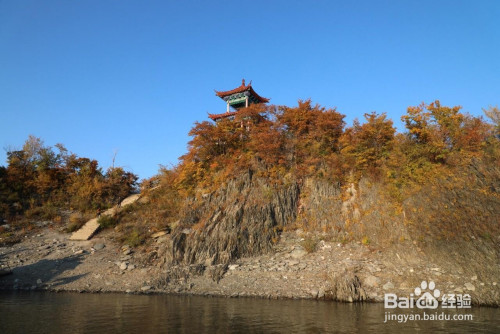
(246, 216)
(446, 231)
(352, 212)
(451, 224)
(241, 219)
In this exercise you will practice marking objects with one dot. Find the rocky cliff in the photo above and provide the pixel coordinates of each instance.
(243, 218)
(446, 231)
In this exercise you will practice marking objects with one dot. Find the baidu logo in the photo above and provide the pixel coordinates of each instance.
(427, 300)
(421, 298)
(426, 297)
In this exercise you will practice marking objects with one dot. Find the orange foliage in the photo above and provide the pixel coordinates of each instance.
(37, 176)
(440, 131)
(309, 140)
(368, 145)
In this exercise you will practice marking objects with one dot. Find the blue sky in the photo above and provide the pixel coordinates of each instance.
(132, 77)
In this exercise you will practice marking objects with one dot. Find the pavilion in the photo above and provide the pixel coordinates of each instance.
(240, 97)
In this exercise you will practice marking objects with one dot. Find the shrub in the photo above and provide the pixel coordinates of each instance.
(310, 244)
(76, 221)
(134, 239)
(107, 221)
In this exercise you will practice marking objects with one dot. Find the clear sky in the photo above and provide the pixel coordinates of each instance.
(132, 77)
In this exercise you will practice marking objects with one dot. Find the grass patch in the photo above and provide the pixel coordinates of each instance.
(310, 244)
(46, 212)
(76, 221)
(134, 239)
(107, 221)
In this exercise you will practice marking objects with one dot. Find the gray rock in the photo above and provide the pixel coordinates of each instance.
(298, 253)
(127, 252)
(38, 281)
(123, 265)
(43, 224)
(372, 281)
(321, 293)
(314, 293)
(404, 285)
(324, 245)
(233, 266)
(146, 288)
(131, 267)
(388, 286)
(470, 287)
(99, 246)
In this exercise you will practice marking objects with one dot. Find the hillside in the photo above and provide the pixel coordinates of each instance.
(361, 209)
(427, 196)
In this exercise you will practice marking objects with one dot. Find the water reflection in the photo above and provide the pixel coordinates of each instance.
(115, 313)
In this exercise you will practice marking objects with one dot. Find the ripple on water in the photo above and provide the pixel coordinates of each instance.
(40, 312)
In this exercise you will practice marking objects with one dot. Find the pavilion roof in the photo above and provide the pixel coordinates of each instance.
(215, 117)
(241, 89)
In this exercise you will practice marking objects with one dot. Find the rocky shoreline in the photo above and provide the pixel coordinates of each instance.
(48, 260)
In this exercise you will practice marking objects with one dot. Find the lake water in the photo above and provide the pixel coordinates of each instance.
(41, 312)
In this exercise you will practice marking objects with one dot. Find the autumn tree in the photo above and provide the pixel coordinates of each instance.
(368, 145)
(264, 136)
(39, 176)
(493, 113)
(311, 133)
(437, 131)
(118, 184)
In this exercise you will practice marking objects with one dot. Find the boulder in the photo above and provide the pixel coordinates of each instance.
(388, 286)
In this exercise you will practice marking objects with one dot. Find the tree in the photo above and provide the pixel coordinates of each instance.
(493, 113)
(39, 176)
(311, 134)
(368, 145)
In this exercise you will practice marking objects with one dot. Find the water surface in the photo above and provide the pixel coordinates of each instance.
(43, 312)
